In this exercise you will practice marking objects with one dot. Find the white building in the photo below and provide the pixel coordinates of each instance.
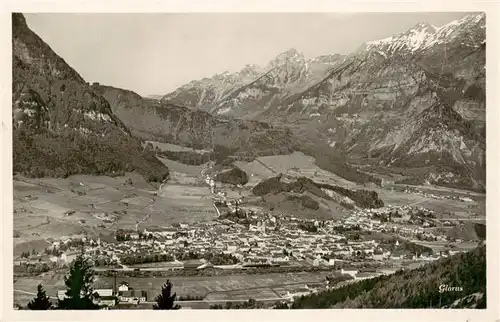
(351, 272)
(104, 292)
(231, 248)
(123, 287)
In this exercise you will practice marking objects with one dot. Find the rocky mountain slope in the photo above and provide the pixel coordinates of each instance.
(223, 138)
(171, 123)
(412, 100)
(60, 125)
(252, 90)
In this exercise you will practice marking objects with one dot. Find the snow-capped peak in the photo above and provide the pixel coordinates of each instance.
(412, 40)
(424, 35)
(326, 59)
(460, 24)
(424, 26)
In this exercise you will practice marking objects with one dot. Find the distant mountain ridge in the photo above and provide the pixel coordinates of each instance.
(413, 100)
(424, 36)
(253, 89)
(412, 105)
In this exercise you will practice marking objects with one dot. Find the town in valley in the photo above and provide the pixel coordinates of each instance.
(318, 177)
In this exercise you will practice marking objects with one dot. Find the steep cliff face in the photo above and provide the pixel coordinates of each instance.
(60, 125)
(414, 99)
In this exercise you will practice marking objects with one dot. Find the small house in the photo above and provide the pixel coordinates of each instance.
(232, 247)
(349, 271)
(123, 287)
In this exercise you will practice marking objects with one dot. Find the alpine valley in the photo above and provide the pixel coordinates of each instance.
(411, 106)
(325, 182)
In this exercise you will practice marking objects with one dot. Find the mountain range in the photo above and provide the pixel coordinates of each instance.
(412, 100)
(410, 107)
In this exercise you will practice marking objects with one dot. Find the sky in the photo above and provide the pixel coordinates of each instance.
(153, 53)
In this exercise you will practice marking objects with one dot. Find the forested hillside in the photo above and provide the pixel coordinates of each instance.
(419, 288)
(60, 125)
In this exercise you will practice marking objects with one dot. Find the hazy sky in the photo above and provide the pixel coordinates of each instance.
(156, 53)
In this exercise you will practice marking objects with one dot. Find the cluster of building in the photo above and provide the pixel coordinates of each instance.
(111, 296)
(406, 221)
(268, 240)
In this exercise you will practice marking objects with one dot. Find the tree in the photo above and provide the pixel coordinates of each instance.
(281, 305)
(41, 301)
(79, 294)
(165, 300)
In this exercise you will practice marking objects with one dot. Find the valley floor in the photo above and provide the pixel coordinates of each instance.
(48, 210)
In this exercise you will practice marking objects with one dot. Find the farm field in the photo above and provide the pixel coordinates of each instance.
(440, 206)
(298, 164)
(211, 287)
(181, 168)
(49, 209)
